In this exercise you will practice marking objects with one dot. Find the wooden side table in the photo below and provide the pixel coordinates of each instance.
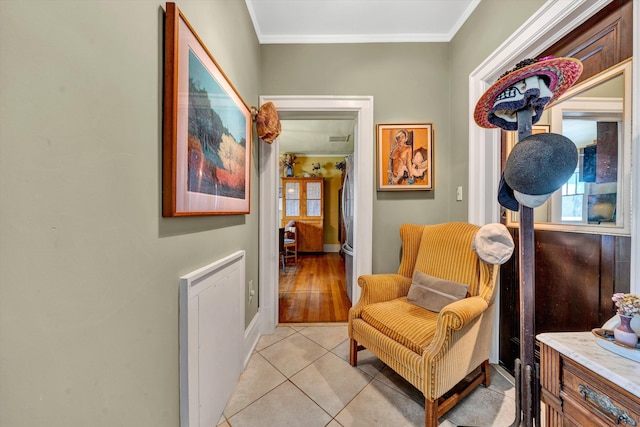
(586, 385)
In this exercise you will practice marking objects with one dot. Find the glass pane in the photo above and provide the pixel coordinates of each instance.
(313, 207)
(292, 195)
(595, 116)
(571, 186)
(292, 208)
(293, 190)
(313, 190)
(572, 208)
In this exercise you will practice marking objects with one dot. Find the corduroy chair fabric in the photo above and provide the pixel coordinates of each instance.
(433, 351)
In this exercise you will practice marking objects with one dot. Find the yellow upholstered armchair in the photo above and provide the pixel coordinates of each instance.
(434, 351)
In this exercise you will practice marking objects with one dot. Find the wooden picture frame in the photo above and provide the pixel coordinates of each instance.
(405, 157)
(206, 132)
(536, 129)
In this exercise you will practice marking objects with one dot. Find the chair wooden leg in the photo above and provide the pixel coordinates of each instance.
(353, 352)
(441, 406)
(431, 413)
(486, 370)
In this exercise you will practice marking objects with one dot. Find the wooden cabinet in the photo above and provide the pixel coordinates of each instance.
(303, 202)
(586, 385)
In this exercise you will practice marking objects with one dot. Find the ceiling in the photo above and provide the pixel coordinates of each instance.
(348, 21)
(317, 136)
(358, 21)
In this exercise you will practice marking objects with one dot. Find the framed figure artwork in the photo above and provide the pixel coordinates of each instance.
(405, 157)
(206, 130)
(535, 129)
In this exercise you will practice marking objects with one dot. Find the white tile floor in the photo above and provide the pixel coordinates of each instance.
(301, 376)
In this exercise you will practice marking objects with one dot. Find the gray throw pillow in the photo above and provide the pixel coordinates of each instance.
(433, 293)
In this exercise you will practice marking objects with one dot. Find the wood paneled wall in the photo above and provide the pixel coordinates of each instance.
(603, 41)
(575, 276)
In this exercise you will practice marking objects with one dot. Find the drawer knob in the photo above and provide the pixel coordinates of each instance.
(605, 406)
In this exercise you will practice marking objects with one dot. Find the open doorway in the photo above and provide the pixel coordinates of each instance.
(362, 109)
(315, 213)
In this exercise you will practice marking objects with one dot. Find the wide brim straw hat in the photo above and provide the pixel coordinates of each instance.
(558, 73)
(268, 123)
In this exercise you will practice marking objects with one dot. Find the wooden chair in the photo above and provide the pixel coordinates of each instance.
(281, 249)
(290, 243)
(434, 351)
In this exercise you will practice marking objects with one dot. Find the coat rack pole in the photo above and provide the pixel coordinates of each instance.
(527, 398)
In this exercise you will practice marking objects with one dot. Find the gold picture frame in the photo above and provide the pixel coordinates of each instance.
(405, 157)
(206, 130)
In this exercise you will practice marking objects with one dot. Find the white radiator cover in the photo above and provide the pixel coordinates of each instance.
(211, 338)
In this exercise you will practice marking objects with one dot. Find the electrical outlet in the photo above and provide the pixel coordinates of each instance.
(251, 291)
(459, 194)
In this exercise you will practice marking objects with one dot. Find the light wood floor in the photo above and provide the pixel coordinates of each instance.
(313, 290)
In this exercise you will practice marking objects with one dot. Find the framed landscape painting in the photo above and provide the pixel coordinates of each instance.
(405, 153)
(207, 129)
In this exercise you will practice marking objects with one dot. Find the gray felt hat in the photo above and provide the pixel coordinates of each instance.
(493, 243)
(538, 165)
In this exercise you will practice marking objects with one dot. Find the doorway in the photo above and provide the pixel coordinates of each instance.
(362, 108)
(313, 290)
(314, 149)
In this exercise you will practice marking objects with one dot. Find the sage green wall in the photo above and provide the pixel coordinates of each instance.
(88, 267)
(490, 24)
(409, 83)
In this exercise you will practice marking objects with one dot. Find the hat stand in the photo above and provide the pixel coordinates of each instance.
(526, 371)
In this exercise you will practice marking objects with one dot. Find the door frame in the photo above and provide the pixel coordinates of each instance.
(362, 107)
(549, 24)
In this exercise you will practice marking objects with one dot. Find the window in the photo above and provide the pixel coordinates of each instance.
(573, 198)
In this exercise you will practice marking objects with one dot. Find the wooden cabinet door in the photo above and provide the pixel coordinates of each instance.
(311, 235)
(303, 202)
(291, 201)
(313, 200)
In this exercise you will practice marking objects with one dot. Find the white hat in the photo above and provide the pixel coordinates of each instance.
(493, 243)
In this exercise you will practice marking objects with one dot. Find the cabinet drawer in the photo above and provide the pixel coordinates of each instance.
(591, 400)
(576, 413)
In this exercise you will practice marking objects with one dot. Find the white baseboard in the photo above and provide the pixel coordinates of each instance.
(251, 337)
(332, 248)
